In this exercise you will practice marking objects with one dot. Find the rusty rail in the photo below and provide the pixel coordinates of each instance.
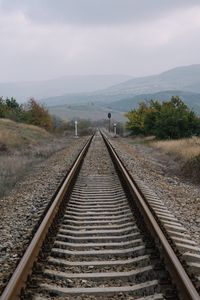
(24, 268)
(176, 270)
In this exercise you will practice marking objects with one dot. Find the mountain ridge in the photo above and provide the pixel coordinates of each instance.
(185, 78)
(190, 98)
(180, 78)
(58, 86)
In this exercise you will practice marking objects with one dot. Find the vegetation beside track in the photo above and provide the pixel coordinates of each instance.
(175, 128)
(165, 120)
(21, 147)
(186, 151)
(183, 155)
(29, 134)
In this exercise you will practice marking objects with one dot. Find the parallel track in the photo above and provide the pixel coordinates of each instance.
(100, 240)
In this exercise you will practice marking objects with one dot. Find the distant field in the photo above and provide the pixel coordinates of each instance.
(86, 111)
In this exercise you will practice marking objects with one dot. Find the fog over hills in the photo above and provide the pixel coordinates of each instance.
(190, 98)
(185, 78)
(108, 92)
(59, 86)
(181, 79)
(99, 110)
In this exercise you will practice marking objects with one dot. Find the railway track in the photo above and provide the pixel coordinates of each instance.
(99, 239)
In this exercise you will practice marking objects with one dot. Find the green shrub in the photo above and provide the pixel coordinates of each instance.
(167, 120)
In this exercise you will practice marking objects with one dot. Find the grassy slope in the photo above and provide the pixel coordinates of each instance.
(17, 135)
(21, 147)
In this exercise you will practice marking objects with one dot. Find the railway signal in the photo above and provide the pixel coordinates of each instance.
(109, 117)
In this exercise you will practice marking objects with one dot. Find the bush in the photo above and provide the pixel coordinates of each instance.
(30, 113)
(167, 120)
(36, 114)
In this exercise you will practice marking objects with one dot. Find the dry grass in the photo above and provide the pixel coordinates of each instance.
(12, 169)
(187, 152)
(18, 135)
(185, 149)
(21, 147)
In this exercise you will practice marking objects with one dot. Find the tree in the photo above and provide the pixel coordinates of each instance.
(12, 104)
(151, 115)
(31, 113)
(9, 108)
(136, 119)
(37, 114)
(2, 108)
(176, 120)
(170, 119)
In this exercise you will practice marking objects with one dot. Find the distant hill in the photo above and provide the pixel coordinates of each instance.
(99, 110)
(80, 98)
(182, 78)
(93, 96)
(191, 99)
(185, 79)
(59, 86)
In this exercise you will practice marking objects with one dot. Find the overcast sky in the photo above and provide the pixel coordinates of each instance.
(41, 39)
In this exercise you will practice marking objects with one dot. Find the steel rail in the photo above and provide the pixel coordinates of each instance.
(182, 281)
(24, 268)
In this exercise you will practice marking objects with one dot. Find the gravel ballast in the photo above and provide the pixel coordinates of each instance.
(21, 210)
(159, 172)
(23, 207)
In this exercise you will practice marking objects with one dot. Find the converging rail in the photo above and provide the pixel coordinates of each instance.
(99, 239)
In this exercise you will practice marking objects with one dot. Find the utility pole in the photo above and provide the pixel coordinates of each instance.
(76, 129)
(115, 130)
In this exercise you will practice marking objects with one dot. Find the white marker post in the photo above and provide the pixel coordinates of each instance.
(115, 130)
(76, 129)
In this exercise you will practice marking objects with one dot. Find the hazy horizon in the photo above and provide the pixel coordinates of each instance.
(97, 75)
(46, 39)
(63, 76)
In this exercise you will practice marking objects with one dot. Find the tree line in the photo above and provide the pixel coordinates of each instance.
(31, 113)
(165, 120)
(36, 114)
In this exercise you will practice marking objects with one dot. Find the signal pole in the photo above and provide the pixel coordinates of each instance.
(115, 130)
(76, 129)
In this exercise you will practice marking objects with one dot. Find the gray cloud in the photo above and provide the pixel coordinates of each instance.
(48, 38)
(94, 11)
